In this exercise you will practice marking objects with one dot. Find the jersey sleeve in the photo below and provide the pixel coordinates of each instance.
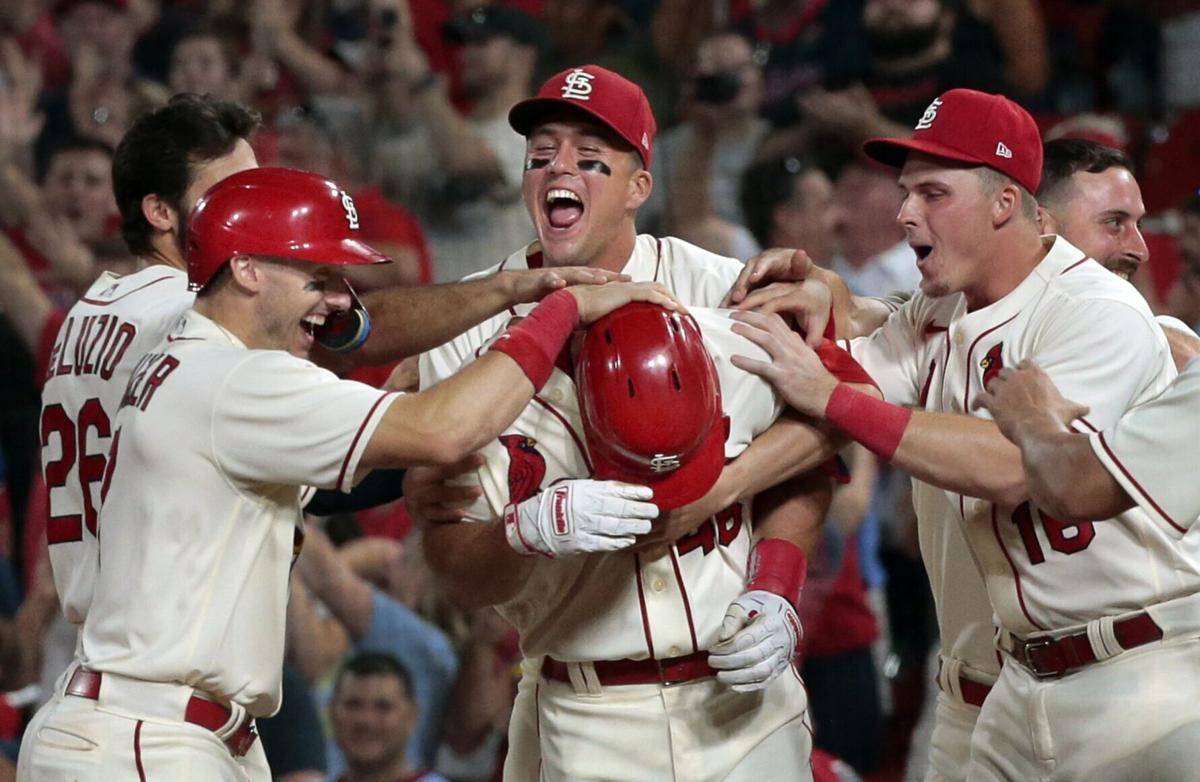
(891, 356)
(1104, 354)
(1145, 449)
(278, 419)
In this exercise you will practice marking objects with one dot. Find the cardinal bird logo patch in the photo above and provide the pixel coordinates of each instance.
(991, 364)
(526, 467)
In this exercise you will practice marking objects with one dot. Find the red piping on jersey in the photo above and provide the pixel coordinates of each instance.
(537, 718)
(687, 605)
(657, 258)
(1141, 489)
(105, 303)
(970, 361)
(924, 397)
(637, 570)
(1080, 262)
(1016, 575)
(137, 751)
(570, 430)
(357, 435)
(1087, 423)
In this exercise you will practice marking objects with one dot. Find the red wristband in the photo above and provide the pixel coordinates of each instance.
(535, 342)
(876, 424)
(778, 566)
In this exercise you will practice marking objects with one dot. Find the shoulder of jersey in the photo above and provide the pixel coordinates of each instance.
(690, 253)
(1093, 281)
(155, 281)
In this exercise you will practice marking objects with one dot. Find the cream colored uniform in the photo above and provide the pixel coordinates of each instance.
(116, 322)
(1095, 336)
(614, 606)
(201, 522)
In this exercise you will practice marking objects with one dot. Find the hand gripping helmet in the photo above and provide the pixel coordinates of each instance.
(651, 403)
(274, 212)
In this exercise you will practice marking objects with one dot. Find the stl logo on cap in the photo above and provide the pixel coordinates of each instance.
(578, 85)
(930, 115)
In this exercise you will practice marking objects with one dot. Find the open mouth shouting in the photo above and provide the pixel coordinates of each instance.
(563, 208)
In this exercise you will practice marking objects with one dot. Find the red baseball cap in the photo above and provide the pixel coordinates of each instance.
(972, 127)
(610, 98)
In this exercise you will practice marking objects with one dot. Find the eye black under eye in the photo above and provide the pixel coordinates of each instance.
(536, 162)
(599, 166)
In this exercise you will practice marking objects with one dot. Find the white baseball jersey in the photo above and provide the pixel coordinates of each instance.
(104, 335)
(1149, 453)
(201, 517)
(1094, 335)
(619, 605)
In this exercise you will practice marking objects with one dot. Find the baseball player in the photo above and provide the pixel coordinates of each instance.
(1088, 196)
(590, 136)
(220, 425)
(967, 203)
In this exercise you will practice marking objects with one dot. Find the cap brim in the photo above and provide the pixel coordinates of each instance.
(347, 252)
(524, 116)
(892, 152)
(684, 485)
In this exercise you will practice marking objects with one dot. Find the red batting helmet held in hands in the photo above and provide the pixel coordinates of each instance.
(273, 212)
(651, 403)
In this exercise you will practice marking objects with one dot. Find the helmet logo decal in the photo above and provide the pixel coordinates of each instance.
(664, 462)
(351, 211)
(578, 85)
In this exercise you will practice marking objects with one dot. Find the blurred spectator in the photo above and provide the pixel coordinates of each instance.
(373, 713)
(467, 193)
(377, 621)
(1183, 300)
(205, 60)
(788, 202)
(603, 32)
(305, 139)
(802, 45)
(104, 93)
(720, 107)
(875, 258)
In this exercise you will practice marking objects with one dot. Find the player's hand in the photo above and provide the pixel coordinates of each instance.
(528, 285)
(1025, 400)
(809, 304)
(580, 517)
(774, 265)
(431, 499)
(795, 370)
(596, 301)
(758, 641)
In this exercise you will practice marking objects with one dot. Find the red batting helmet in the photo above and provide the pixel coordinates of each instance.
(651, 403)
(274, 212)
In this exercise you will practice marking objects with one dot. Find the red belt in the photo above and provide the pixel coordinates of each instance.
(1048, 657)
(673, 670)
(200, 711)
(973, 693)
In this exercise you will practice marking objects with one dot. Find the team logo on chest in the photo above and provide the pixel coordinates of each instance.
(526, 466)
(992, 363)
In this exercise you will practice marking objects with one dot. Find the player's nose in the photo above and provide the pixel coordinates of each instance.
(1136, 247)
(338, 297)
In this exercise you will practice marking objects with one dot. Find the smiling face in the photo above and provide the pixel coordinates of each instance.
(582, 187)
(1099, 214)
(294, 298)
(78, 187)
(946, 213)
(372, 717)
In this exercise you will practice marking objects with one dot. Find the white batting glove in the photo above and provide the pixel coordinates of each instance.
(579, 517)
(758, 641)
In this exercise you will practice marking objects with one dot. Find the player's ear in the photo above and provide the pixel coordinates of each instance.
(640, 185)
(1006, 204)
(1046, 222)
(159, 213)
(246, 272)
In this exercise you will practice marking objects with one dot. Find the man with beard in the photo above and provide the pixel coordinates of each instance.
(468, 191)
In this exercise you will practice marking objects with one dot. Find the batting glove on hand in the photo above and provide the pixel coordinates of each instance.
(579, 517)
(758, 641)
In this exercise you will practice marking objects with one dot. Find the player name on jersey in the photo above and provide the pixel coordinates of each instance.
(147, 376)
(93, 344)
